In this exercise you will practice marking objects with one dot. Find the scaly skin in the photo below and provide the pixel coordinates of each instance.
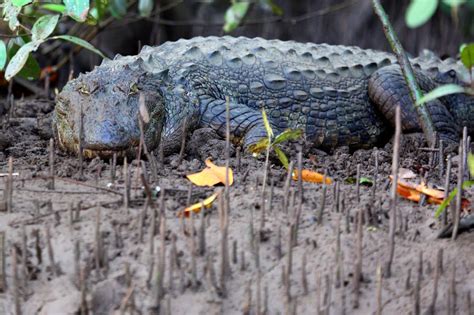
(339, 96)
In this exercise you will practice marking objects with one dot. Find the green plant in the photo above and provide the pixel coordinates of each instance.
(466, 184)
(20, 14)
(273, 142)
(33, 23)
(237, 11)
(467, 58)
(420, 11)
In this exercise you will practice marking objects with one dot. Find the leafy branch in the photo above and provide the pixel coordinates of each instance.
(466, 184)
(16, 54)
(273, 142)
(467, 58)
(420, 11)
(238, 10)
(424, 116)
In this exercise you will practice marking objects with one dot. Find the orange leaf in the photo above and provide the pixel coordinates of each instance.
(415, 195)
(196, 208)
(435, 193)
(408, 193)
(311, 176)
(422, 188)
(414, 192)
(211, 175)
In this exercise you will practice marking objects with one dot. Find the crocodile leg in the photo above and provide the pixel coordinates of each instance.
(246, 124)
(387, 89)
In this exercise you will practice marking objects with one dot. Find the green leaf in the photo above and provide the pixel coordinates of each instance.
(454, 3)
(145, 7)
(445, 203)
(419, 12)
(101, 6)
(93, 17)
(80, 42)
(441, 91)
(13, 43)
(31, 70)
(234, 15)
(44, 26)
(118, 8)
(350, 180)
(77, 9)
(470, 163)
(58, 8)
(21, 3)
(467, 56)
(271, 6)
(266, 123)
(19, 59)
(288, 134)
(3, 54)
(451, 196)
(260, 146)
(10, 15)
(281, 156)
(366, 181)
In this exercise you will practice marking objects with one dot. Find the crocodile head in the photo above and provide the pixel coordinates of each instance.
(108, 101)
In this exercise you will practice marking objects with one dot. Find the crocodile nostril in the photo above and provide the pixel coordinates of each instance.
(109, 135)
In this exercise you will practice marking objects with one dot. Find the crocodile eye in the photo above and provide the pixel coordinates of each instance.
(452, 73)
(133, 89)
(84, 89)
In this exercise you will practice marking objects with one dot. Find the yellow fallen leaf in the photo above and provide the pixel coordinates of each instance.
(220, 172)
(311, 176)
(196, 208)
(206, 177)
(211, 175)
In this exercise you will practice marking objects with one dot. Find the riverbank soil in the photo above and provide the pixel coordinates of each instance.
(78, 248)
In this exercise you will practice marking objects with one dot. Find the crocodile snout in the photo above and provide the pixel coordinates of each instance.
(108, 135)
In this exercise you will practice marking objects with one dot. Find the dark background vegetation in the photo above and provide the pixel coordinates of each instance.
(348, 22)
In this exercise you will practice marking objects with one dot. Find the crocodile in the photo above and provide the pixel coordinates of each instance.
(338, 95)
